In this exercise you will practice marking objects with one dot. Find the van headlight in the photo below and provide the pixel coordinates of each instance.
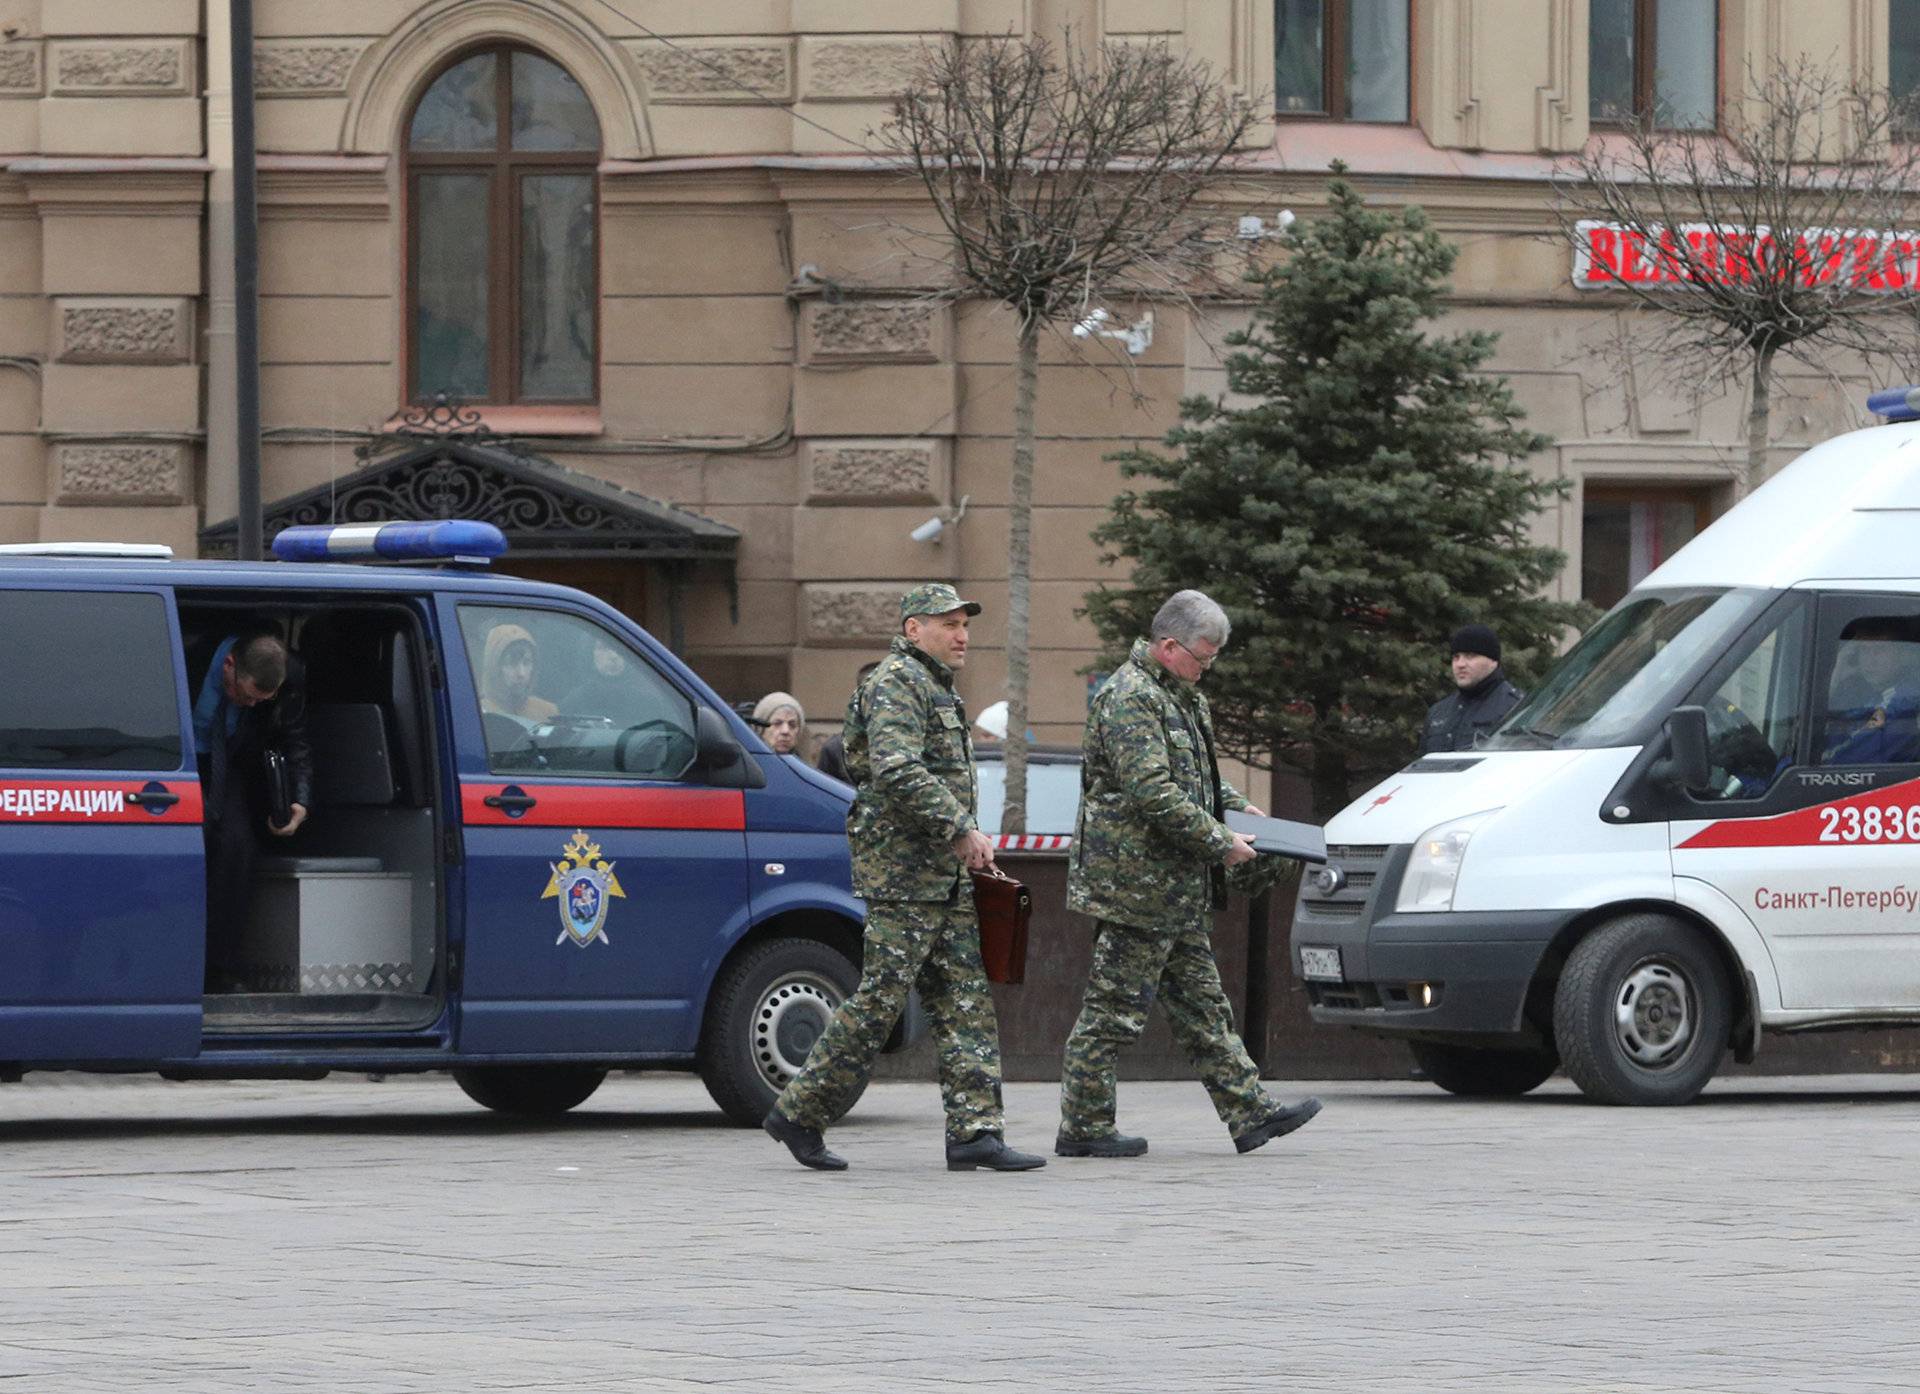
(1435, 864)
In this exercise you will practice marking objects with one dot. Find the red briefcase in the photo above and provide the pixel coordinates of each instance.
(1004, 906)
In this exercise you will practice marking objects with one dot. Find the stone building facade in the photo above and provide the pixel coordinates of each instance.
(718, 316)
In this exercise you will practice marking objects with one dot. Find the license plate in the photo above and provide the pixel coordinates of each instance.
(1321, 963)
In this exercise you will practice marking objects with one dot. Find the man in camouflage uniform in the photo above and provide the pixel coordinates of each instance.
(914, 840)
(1149, 863)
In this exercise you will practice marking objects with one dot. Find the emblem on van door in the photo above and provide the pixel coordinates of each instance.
(583, 884)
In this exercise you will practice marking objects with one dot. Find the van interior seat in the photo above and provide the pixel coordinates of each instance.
(352, 755)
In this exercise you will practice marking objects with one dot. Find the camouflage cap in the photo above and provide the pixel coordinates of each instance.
(934, 598)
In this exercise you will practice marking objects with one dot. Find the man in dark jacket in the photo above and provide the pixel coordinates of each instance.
(832, 758)
(1462, 719)
(252, 700)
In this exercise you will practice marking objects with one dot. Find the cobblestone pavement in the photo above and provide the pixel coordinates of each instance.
(355, 1236)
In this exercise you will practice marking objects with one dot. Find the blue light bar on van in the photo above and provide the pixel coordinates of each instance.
(391, 542)
(1896, 403)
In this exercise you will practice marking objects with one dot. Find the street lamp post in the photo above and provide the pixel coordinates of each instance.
(246, 289)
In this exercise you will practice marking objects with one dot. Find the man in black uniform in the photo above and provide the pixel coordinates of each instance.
(253, 700)
(1462, 719)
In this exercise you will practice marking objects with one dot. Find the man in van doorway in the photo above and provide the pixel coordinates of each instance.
(252, 701)
(1482, 698)
(915, 837)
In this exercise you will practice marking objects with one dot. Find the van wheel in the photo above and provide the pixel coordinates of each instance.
(1483, 1074)
(768, 1008)
(1642, 1012)
(530, 1091)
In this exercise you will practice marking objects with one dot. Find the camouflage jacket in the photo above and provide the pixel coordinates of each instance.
(1148, 844)
(911, 757)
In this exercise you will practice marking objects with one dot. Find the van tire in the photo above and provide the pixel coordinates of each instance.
(530, 1091)
(1477, 1073)
(1642, 1012)
(768, 1007)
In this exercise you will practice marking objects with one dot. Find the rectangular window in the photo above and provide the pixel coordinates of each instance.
(1626, 532)
(1347, 59)
(560, 695)
(1657, 59)
(1903, 56)
(1869, 676)
(450, 298)
(1753, 714)
(556, 287)
(91, 685)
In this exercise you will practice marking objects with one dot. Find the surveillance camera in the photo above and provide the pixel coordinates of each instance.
(1286, 219)
(929, 531)
(1095, 318)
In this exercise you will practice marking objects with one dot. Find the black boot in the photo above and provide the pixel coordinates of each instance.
(1277, 1124)
(808, 1147)
(1119, 1145)
(988, 1151)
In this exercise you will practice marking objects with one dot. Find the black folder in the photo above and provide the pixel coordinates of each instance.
(1301, 841)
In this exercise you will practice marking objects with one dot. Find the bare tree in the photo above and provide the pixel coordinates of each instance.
(1779, 234)
(1059, 177)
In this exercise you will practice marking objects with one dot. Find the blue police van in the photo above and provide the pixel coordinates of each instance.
(539, 847)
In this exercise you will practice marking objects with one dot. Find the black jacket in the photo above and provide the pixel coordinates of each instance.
(1463, 718)
(832, 759)
(277, 725)
(284, 722)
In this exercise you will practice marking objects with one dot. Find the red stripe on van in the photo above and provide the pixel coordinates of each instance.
(602, 806)
(95, 801)
(1890, 815)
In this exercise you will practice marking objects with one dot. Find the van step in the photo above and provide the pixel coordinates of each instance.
(283, 1011)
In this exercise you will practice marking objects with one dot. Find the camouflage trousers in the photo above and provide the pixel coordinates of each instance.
(1131, 967)
(937, 948)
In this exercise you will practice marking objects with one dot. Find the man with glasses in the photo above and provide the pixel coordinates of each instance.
(1149, 863)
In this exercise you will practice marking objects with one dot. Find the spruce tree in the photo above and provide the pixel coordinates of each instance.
(1370, 499)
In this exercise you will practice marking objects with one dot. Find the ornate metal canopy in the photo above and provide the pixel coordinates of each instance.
(444, 463)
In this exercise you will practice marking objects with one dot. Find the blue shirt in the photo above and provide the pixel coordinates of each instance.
(213, 702)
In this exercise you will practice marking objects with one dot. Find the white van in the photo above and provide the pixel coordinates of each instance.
(1704, 824)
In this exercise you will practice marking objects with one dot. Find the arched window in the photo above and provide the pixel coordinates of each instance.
(503, 244)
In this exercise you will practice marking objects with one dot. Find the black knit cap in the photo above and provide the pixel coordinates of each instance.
(1476, 638)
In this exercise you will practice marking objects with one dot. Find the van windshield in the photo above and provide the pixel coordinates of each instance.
(1632, 664)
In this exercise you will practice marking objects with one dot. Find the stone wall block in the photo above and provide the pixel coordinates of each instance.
(850, 70)
(304, 68)
(894, 331)
(746, 71)
(91, 329)
(20, 69)
(876, 471)
(850, 614)
(123, 68)
(120, 472)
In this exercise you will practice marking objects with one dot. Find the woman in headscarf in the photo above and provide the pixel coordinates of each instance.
(782, 722)
(506, 677)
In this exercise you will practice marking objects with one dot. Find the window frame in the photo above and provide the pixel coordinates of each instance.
(506, 170)
(1336, 100)
(77, 589)
(1628, 492)
(1646, 54)
(1837, 610)
(639, 657)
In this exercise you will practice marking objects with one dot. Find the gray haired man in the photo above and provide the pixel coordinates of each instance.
(1149, 863)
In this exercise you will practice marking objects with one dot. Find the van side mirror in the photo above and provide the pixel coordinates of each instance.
(1687, 764)
(720, 759)
(715, 743)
